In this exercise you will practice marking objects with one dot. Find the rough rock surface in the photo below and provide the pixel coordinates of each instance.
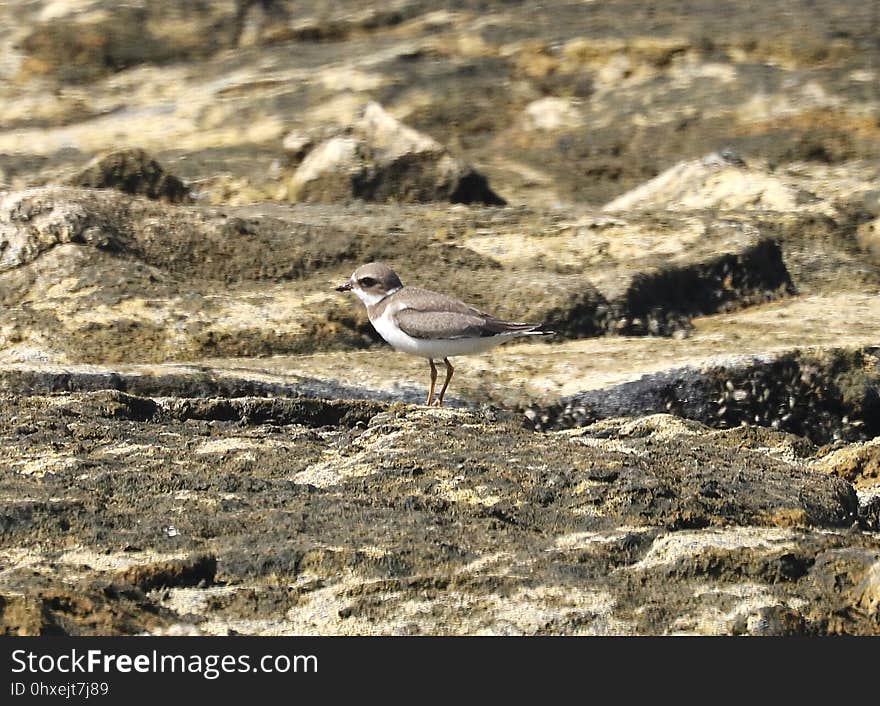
(403, 520)
(380, 159)
(200, 436)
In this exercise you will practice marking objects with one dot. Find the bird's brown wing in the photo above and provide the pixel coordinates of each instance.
(426, 300)
(440, 324)
(432, 315)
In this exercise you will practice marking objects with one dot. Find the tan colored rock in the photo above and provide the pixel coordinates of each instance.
(327, 171)
(384, 132)
(717, 181)
(296, 144)
(384, 160)
(299, 142)
(31, 224)
(867, 593)
(551, 113)
(857, 463)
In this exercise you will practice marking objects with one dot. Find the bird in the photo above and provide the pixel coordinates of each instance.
(429, 324)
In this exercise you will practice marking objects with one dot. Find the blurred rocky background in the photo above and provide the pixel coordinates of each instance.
(199, 435)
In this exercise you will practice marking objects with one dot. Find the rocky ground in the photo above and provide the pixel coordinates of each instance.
(199, 435)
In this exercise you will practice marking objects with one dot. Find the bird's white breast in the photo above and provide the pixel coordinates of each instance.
(392, 334)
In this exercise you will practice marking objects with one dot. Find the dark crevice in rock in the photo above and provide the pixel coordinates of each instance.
(113, 404)
(308, 412)
(192, 571)
(192, 384)
(132, 172)
(659, 303)
(663, 302)
(821, 397)
(413, 178)
(473, 187)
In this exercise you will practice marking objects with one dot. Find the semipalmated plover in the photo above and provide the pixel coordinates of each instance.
(428, 324)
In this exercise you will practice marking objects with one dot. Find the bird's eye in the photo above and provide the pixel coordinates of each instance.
(366, 282)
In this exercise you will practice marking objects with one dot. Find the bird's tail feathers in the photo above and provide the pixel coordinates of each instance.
(524, 329)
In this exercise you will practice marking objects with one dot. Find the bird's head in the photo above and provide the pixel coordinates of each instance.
(372, 283)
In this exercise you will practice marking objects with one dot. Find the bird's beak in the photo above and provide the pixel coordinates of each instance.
(344, 287)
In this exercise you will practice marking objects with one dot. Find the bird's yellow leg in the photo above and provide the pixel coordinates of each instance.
(449, 371)
(433, 382)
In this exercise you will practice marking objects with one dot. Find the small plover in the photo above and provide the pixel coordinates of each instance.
(428, 324)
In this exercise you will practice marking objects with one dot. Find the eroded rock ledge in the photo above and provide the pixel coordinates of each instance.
(98, 276)
(823, 395)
